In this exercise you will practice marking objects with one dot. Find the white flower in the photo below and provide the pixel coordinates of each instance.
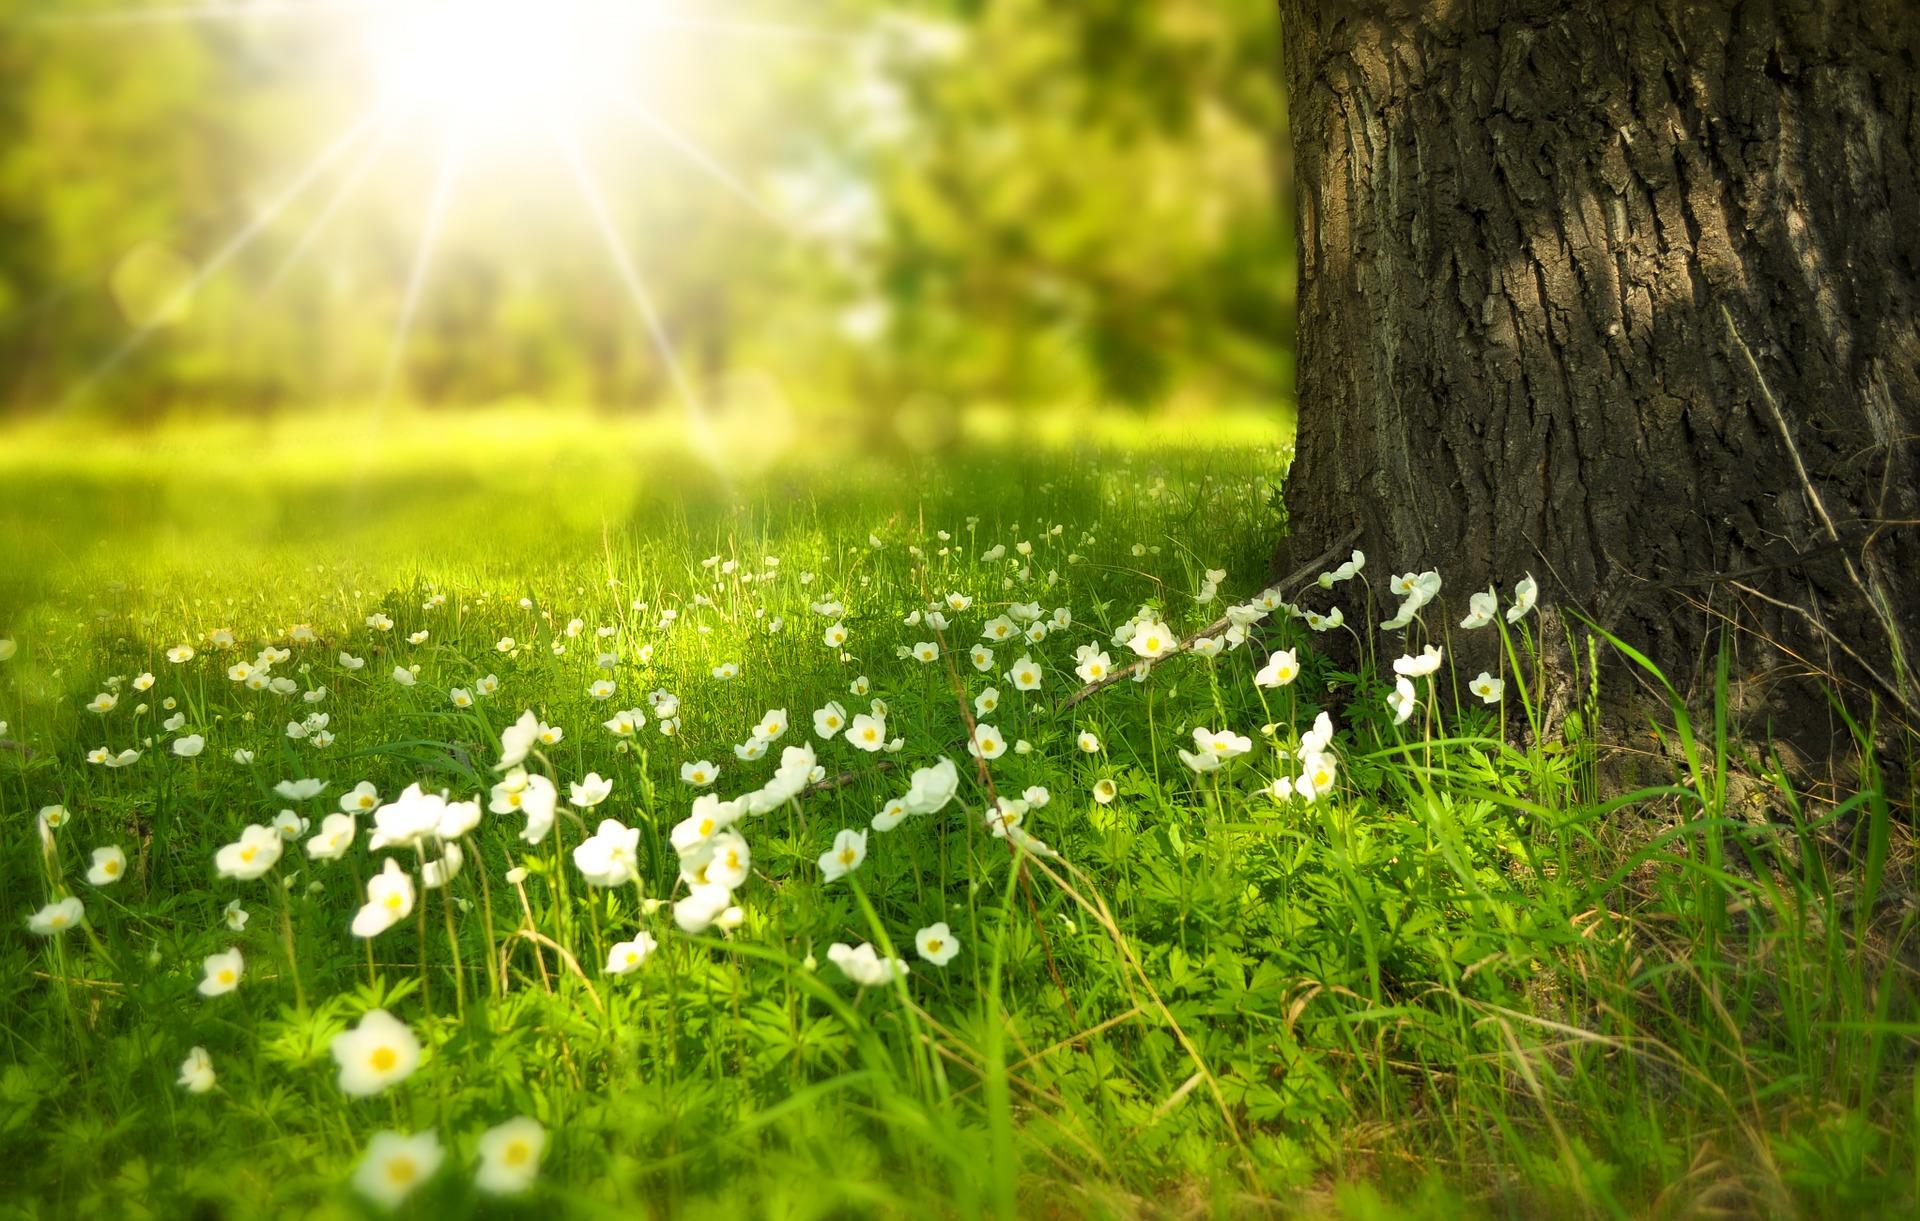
(602, 689)
(394, 1165)
(189, 746)
(102, 703)
(196, 1071)
(931, 788)
(516, 740)
(1025, 675)
(890, 816)
(251, 855)
(625, 956)
(1487, 687)
(336, 836)
(300, 790)
(379, 622)
(533, 795)
(726, 671)
(109, 866)
(863, 966)
(1094, 666)
(829, 721)
(379, 1052)
(1425, 663)
(404, 676)
(750, 750)
(1201, 761)
(1525, 594)
(936, 944)
(1104, 791)
(1225, 744)
(1346, 571)
(510, 1153)
(699, 773)
(986, 701)
(610, 857)
(1319, 738)
(869, 733)
(702, 906)
(243, 757)
(389, 901)
(986, 742)
(236, 916)
(771, 726)
(360, 799)
(1481, 609)
(836, 635)
(223, 973)
(435, 874)
(849, 849)
(56, 917)
(1281, 668)
(1151, 639)
(626, 723)
(998, 629)
(1088, 742)
(590, 791)
(1402, 700)
(460, 697)
(407, 820)
(729, 860)
(1317, 774)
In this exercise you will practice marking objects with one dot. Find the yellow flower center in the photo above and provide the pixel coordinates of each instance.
(934, 944)
(110, 868)
(516, 1153)
(706, 827)
(402, 1170)
(846, 857)
(247, 853)
(226, 975)
(383, 1059)
(393, 901)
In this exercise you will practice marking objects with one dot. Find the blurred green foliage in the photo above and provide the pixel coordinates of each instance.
(978, 200)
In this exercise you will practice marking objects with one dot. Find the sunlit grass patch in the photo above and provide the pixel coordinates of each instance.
(631, 833)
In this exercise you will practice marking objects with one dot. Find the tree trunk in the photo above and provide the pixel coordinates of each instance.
(1624, 294)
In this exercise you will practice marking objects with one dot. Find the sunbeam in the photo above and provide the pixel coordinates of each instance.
(188, 13)
(680, 143)
(422, 260)
(229, 250)
(642, 299)
(349, 186)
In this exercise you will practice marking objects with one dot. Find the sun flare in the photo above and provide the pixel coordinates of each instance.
(485, 70)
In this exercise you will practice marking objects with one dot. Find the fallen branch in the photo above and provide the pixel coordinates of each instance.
(1299, 576)
(848, 777)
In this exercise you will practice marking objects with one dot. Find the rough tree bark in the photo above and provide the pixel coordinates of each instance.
(1625, 294)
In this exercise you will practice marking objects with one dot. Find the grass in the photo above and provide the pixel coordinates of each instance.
(1468, 980)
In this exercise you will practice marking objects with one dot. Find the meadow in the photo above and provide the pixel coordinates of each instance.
(515, 813)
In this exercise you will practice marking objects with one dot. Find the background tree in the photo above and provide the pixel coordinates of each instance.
(1626, 296)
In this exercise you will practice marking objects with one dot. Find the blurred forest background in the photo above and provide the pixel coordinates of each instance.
(1016, 202)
